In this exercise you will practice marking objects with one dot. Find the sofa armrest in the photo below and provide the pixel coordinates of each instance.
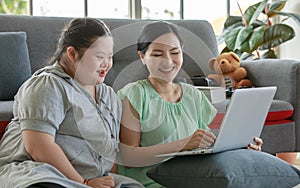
(6, 110)
(283, 73)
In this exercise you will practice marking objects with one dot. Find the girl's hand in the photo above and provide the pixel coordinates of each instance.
(258, 143)
(102, 182)
(200, 139)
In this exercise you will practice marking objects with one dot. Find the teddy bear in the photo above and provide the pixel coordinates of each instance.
(228, 71)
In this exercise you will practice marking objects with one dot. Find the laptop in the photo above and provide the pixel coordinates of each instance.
(244, 119)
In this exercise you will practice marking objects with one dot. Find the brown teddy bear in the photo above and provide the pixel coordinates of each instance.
(228, 71)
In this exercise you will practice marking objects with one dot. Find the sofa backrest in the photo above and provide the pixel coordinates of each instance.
(42, 34)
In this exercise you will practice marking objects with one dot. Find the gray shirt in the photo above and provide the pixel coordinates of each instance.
(86, 130)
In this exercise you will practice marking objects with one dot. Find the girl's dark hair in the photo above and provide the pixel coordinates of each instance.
(79, 33)
(152, 31)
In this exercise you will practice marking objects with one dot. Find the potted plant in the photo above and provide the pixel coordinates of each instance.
(249, 34)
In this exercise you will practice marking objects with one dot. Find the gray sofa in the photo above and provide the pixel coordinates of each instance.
(199, 46)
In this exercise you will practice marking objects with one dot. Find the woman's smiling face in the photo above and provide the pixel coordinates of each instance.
(163, 57)
(96, 62)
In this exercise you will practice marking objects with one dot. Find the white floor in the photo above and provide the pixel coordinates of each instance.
(297, 163)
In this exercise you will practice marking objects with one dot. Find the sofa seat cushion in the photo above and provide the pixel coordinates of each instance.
(280, 110)
(279, 137)
(235, 168)
(14, 63)
(279, 113)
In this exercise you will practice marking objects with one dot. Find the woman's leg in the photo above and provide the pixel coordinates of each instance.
(125, 182)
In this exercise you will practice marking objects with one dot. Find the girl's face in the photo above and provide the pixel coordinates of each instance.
(96, 62)
(163, 57)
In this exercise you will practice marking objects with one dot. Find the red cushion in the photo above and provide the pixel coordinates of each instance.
(280, 110)
(3, 125)
(269, 123)
(279, 115)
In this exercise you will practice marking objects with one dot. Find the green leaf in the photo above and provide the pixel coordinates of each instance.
(252, 12)
(243, 36)
(233, 20)
(276, 35)
(277, 6)
(244, 47)
(230, 38)
(262, 36)
(256, 39)
(235, 39)
(259, 23)
(231, 23)
(295, 17)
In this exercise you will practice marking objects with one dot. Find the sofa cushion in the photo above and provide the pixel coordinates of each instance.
(235, 168)
(279, 137)
(14, 63)
(280, 110)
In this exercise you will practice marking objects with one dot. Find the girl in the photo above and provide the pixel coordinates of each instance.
(66, 121)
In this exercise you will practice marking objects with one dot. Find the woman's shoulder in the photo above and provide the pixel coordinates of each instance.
(133, 88)
(135, 85)
(192, 92)
(51, 75)
(106, 88)
(107, 91)
(107, 95)
(189, 88)
(45, 84)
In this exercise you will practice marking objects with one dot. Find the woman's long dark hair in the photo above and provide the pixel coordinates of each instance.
(152, 31)
(79, 33)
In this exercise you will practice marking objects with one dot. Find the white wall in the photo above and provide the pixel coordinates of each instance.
(291, 49)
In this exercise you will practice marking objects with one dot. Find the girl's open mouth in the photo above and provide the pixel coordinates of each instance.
(102, 73)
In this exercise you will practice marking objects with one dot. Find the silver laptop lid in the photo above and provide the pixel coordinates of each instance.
(244, 119)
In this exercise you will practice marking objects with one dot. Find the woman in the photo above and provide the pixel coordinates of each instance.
(66, 121)
(160, 116)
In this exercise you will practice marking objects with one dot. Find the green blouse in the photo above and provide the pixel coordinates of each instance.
(164, 122)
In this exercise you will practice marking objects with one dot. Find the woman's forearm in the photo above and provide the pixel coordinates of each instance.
(56, 157)
(144, 156)
(42, 148)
